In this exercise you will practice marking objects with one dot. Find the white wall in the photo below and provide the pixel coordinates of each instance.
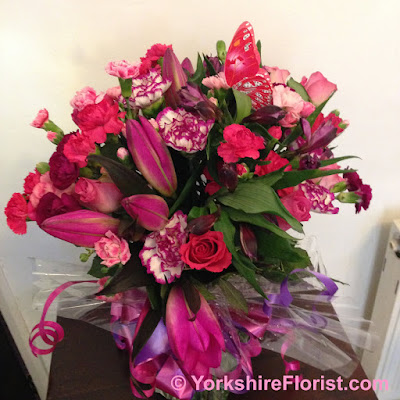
(50, 49)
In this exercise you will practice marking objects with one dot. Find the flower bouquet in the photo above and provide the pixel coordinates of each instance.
(181, 185)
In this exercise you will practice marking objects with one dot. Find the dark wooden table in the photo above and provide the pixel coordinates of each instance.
(87, 365)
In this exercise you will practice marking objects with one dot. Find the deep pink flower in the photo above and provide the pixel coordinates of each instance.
(160, 253)
(365, 193)
(78, 147)
(96, 120)
(318, 88)
(321, 198)
(98, 196)
(354, 181)
(112, 250)
(85, 97)
(16, 213)
(63, 173)
(336, 121)
(298, 205)
(182, 130)
(240, 143)
(152, 56)
(278, 75)
(31, 181)
(276, 162)
(123, 69)
(51, 136)
(51, 205)
(292, 103)
(41, 118)
(275, 131)
(329, 181)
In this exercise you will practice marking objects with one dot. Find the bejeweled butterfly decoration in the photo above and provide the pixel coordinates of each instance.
(242, 68)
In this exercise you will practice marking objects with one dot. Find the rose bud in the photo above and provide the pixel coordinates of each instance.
(202, 224)
(149, 211)
(172, 69)
(98, 196)
(248, 241)
(151, 156)
(228, 176)
(82, 228)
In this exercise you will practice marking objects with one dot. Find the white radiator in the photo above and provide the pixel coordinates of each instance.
(384, 362)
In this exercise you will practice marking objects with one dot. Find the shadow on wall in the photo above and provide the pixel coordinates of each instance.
(384, 230)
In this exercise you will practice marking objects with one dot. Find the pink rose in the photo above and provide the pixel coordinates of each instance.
(41, 118)
(318, 88)
(98, 196)
(298, 205)
(84, 97)
(240, 142)
(78, 147)
(122, 69)
(216, 81)
(16, 213)
(278, 75)
(96, 120)
(292, 103)
(329, 181)
(112, 250)
(44, 186)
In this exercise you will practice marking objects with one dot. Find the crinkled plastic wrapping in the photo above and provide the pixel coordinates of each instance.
(310, 322)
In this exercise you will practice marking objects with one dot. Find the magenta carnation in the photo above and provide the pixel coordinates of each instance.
(63, 173)
(321, 198)
(182, 130)
(160, 253)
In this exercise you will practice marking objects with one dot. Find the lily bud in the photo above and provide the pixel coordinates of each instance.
(82, 228)
(172, 69)
(248, 242)
(221, 50)
(202, 224)
(149, 211)
(151, 156)
(228, 176)
(268, 115)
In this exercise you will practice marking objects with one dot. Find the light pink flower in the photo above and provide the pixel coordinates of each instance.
(44, 186)
(112, 250)
(122, 153)
(329, 181)
(216, 81)
(51, 136)
(278, 75)
(41, 118)
(114, 92)
(84, 97)
(122, 69)
(318, 88)
(160, 253)
(292, 103)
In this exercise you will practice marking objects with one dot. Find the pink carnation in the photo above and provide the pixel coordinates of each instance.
(51, 136)
(84, 97)
(41, 118)
(96, 120)
(275, 131)
(78, 148)
(292, 103)
(16, 213)
(122, 69)
(114, 92)
(31, 181)
(152, 56)
(276, 162)
(112, 250)
(216, 81)
(241, 142)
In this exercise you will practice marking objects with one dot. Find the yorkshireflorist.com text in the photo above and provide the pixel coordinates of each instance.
(288, 382)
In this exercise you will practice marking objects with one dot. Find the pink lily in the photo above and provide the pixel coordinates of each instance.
(151, 156)
(149, 211)
(82, 228)
(196, 340)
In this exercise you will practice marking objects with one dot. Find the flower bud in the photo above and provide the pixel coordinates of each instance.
(202, 224)
(228, 176)
(221, 50)
(248, 242)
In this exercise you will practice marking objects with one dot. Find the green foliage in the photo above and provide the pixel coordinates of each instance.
(233, 296)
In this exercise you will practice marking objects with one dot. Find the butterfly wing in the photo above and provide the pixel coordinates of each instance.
(243, 58)
(258, 88)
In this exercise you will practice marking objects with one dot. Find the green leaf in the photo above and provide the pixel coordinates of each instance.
(299, 88)
(131, 275)
(256, 198)
(271, 178)
(311, 119)
(202, 289)
(128, 181)
(247, 270)
(96, 267)
(153, 293)
(233, 295)
(210, 67)
(296, 132)
(200, 73)
(147, 328)
(258, 44)
(196, 212)
(243, 106)
(293, 178)
(257, 220)
(324, 163)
